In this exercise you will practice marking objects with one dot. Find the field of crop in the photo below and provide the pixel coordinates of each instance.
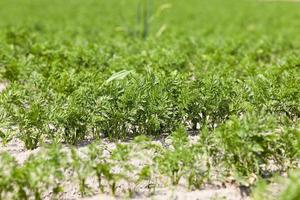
(149, 99)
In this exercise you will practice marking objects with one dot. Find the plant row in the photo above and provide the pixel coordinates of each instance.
(71, 106)
(240, 149)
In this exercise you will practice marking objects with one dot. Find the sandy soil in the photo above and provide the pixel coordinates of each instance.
(2, 86)
(16, 148)
(230, 192)
(178, 193)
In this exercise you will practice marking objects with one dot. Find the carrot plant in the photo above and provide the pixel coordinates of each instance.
(8, 165)
(225, 72)
(249, 143)
(288, 188)
(181, 160)
(82, 169)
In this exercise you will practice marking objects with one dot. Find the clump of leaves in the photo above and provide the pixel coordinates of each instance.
(82, 170)
(38, 174)
(283, 188)
(122, 167)
(7, 166)
(292, 189)
(251, 142)
(180, 160)
(99, 164)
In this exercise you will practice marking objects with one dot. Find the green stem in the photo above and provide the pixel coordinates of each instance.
(147, 13)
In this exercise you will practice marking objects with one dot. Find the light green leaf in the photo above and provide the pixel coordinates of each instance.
(118, 76)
